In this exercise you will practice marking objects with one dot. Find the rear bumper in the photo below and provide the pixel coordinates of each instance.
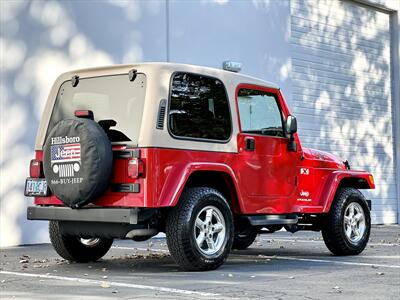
(106, 215)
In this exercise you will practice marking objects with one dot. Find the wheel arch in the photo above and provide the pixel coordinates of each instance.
(340, 179)
(218, 176)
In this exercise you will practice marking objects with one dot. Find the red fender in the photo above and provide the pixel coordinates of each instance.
(177, 178)
(334, 180)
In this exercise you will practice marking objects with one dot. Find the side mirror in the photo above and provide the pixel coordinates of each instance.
(291, 125)
(291, 129)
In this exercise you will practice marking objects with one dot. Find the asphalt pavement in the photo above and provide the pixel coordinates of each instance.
(277, 266)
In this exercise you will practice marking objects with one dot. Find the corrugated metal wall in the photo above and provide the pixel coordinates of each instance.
(341, 89)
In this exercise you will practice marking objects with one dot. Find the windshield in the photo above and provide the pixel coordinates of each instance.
(110, 98)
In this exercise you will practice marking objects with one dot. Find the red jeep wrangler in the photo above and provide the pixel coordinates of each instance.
(210, 157)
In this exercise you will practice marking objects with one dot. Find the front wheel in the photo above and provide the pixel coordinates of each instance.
(348, 226)
(199, 229)
(76, 249)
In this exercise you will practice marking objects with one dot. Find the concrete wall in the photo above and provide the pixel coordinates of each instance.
(41, 39)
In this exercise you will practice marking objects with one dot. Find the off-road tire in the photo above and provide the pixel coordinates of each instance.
(180, 226)
(245, 239)
(333, 230)
(70, 247)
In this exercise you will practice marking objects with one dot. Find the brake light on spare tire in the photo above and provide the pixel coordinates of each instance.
(135, 168)
(85, 114)
(36, 168)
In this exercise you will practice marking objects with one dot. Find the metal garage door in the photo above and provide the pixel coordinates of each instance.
(341, 89)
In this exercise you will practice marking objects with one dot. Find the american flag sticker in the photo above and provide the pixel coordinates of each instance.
(65, 153)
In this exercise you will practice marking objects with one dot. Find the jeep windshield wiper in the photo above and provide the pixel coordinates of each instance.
(273, 131)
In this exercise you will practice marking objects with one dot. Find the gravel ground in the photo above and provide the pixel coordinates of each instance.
(277, 266)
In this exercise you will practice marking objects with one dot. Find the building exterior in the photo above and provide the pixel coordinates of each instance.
(337, 63)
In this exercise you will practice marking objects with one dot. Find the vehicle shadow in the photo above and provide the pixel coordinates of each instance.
(122, 263)
(154, 264)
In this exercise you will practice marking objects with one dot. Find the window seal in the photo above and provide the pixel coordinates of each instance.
(266, 90)
(83, 78)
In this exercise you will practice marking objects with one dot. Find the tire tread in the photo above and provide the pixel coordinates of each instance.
(178, 240)
(332, 230)
(69, 247)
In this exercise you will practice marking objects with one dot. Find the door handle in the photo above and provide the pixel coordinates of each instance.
(250, 144)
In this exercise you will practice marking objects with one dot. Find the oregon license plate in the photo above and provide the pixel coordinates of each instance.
(36, 187)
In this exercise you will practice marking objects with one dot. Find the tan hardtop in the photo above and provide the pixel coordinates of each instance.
(157, 66)
(158, 81)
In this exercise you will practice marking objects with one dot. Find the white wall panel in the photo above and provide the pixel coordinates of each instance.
(256, 33)
(341, 90)
(39, 41)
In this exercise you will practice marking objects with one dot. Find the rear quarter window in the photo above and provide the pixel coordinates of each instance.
(199, 108)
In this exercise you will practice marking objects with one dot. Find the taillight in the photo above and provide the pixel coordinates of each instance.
(135, 168)
(36, 169)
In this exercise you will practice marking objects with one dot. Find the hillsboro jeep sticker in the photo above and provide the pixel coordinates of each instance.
(66, 157)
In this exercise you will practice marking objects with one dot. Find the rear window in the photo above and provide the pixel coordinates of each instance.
(110, 98)
(199, 108)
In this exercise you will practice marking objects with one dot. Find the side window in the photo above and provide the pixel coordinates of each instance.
(259, 113)
(199, 108)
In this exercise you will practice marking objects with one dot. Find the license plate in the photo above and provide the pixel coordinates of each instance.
(36, 187)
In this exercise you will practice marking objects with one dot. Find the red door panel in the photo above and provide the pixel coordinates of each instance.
(268, 170)
(267, 175)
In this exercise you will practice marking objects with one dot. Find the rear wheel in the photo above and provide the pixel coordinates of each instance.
(273, 228)
(199, 229)
(347, 229)
(77, 249)
(244, 239)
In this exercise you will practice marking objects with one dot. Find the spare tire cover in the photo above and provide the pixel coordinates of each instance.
(77, 161)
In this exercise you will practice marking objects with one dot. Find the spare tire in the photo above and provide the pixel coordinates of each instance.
(77, 161)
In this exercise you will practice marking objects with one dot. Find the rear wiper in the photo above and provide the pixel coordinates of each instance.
(107, 124)
(132, 75)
